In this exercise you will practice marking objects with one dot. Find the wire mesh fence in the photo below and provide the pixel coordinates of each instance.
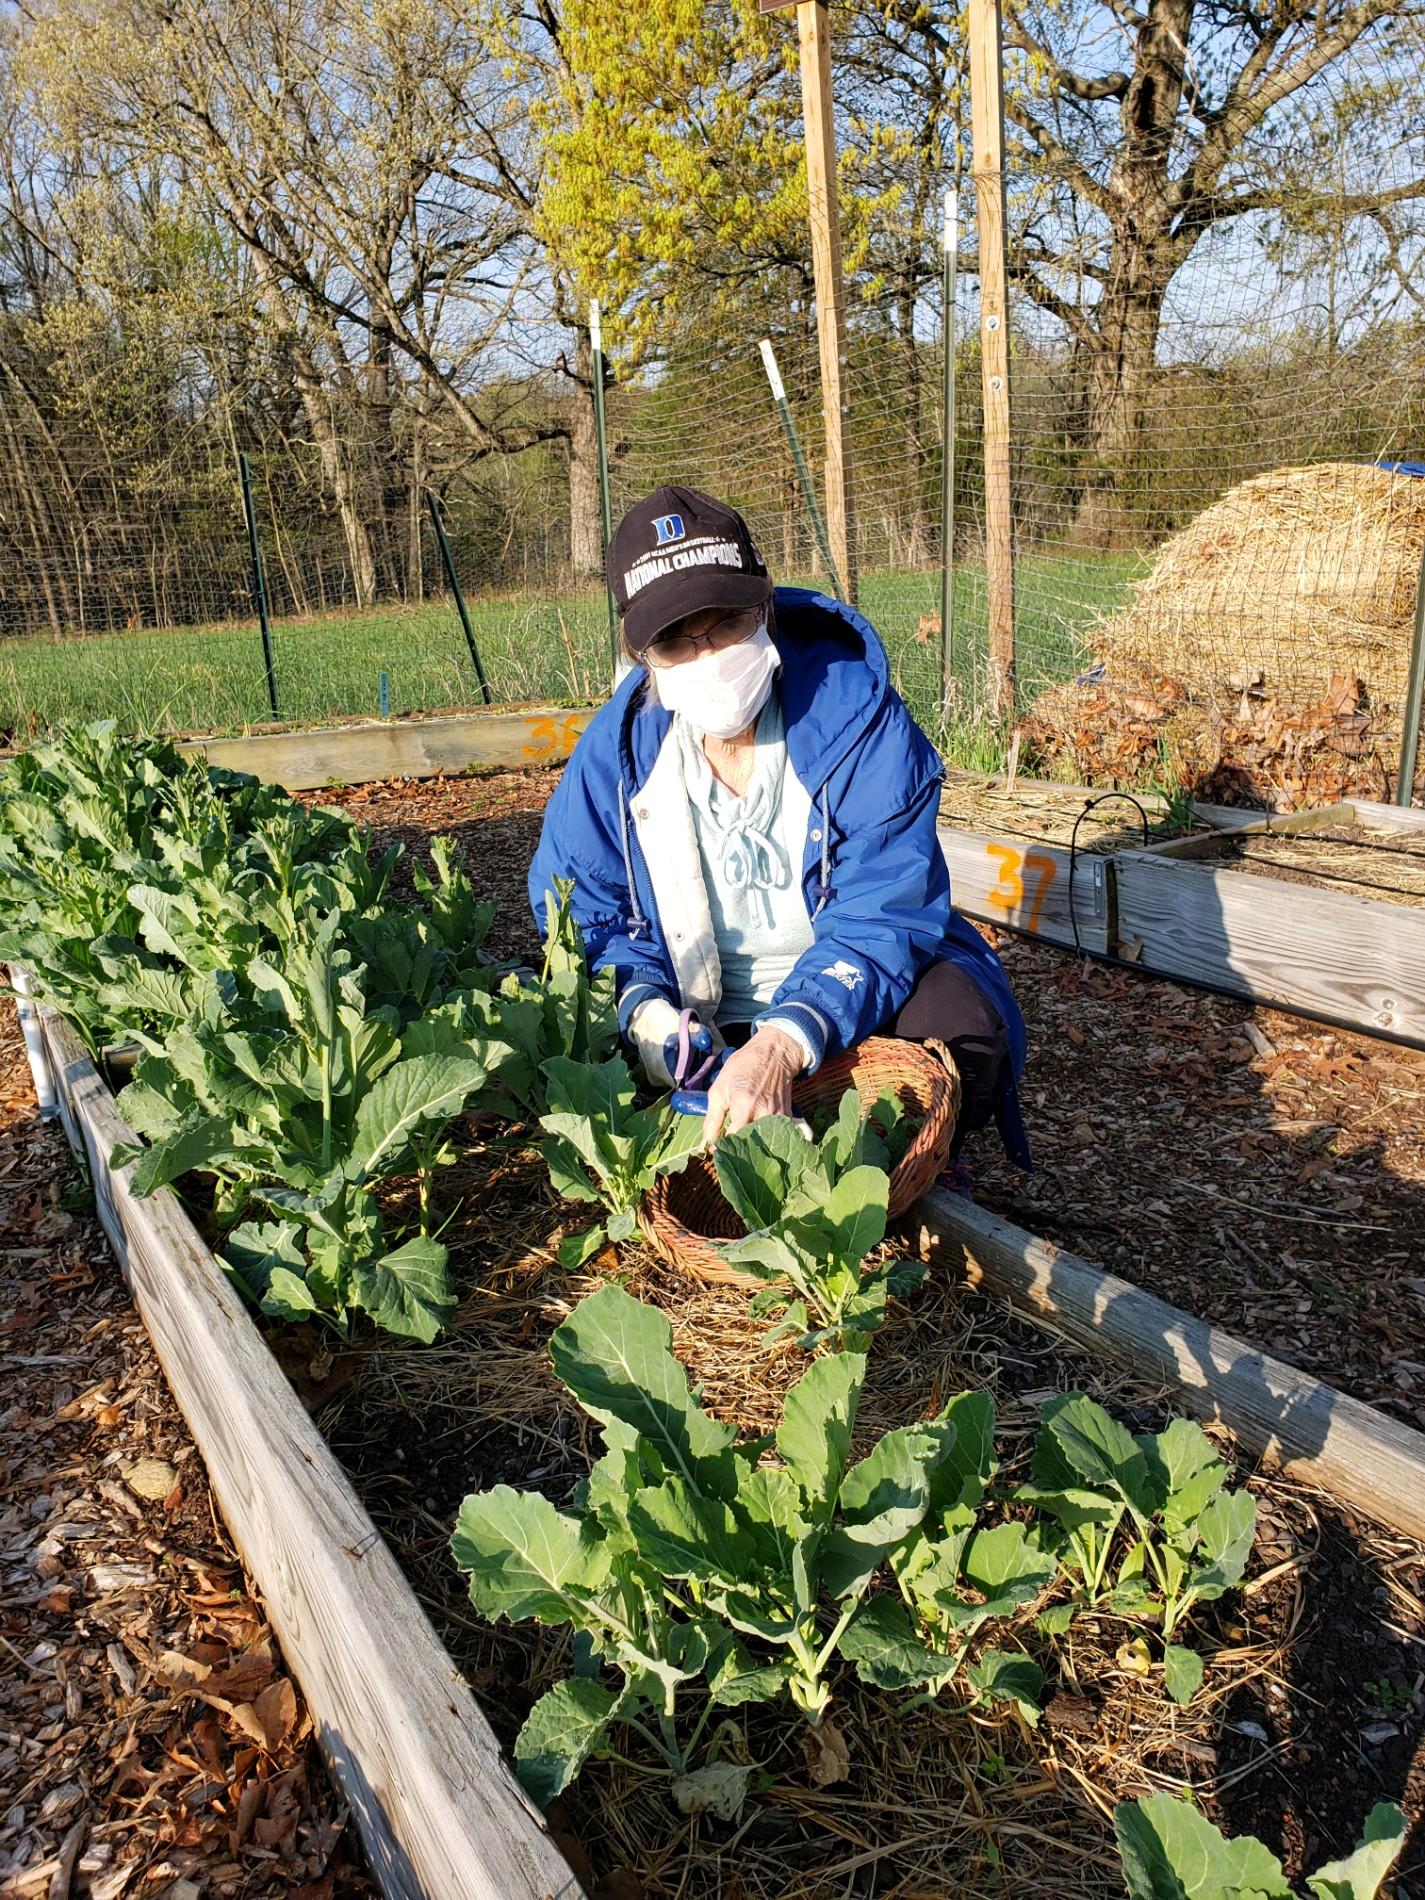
(1218, 531)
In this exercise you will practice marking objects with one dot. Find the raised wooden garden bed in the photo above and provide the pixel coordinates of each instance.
(440, 1814)
(1295, 1423)
(1321, 911)
(438, 1809)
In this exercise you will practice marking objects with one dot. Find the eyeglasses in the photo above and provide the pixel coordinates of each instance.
(675, 649)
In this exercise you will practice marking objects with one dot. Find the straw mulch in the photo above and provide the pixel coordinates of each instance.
(935, 1801)
(1293, 576)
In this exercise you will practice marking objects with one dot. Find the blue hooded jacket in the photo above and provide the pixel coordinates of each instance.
(874, 878)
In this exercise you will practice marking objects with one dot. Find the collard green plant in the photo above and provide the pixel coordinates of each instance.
(121, 859)
(1188, 1539)
(813, 1211)
(566, 1012)
(246, 944)
(601, 1147)
(1169, 1851)
(128, 871)
(688, 1556)
(955, 1577)
(294, 1092)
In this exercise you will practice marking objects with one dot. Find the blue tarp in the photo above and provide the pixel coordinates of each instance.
(1403, 468)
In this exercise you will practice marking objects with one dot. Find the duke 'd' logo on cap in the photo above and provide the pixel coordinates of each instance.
(668, 528)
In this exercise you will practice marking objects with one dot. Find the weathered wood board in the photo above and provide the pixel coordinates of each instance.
(415, 748)
(1369, 811)
(1307, 1429)
(441, 1815)
(1326, 953)
(1024, 886)
(1210, 844)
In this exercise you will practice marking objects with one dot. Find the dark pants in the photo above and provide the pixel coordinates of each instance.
(948, 1006)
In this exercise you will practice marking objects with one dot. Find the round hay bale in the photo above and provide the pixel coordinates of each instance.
(1292, 577)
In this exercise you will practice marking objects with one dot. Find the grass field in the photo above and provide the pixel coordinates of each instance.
(533, 646)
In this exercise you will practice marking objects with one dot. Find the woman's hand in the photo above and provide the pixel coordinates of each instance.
(755, 1080)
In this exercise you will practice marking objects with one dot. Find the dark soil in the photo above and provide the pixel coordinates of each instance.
(1343, 1725)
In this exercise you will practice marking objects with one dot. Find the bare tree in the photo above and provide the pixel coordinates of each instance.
(1152, 124)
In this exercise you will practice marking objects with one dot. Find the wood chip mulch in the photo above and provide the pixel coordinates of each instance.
(151, 1742)
(1262, 1171)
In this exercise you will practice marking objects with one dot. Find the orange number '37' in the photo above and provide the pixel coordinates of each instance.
(1008, 893)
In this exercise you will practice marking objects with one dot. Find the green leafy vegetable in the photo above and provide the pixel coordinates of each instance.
(1190, 1539)
(813, 1211)
(687, 1547)
(603, 1148)
(1169, 1851)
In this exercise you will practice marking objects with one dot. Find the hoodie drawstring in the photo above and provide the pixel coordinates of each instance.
(638, 923)
(823, 889)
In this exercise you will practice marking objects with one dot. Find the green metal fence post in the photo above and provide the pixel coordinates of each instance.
(453, 579)
(1414, 696)
(259, 584)
(789, 428)
(596, 344)
(947, 460)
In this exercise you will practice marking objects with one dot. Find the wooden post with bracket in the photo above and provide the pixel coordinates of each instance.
(819, 134)
(987, 119)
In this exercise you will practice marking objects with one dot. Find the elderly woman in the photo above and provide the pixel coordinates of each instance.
(749, 825)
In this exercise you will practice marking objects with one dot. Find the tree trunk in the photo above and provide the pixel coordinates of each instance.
(1120, 384)
(390, 475)
(1130, 309)
(316, 406)
(415, 557)
(586, 527)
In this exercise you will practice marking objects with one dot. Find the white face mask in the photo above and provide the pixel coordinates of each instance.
(720, 694)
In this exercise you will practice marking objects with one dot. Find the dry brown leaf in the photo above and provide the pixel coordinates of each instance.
(276, 1710)
(244, 1677)
(151, 1478)
(249, 1806)
(184, 1673)
(827, 1757)
(245, 1718)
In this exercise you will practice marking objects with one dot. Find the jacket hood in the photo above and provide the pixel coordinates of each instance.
(833, 679)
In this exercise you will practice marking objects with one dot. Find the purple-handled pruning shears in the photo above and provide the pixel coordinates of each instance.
(693, 1060)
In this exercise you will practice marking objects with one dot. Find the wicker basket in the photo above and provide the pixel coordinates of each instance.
(685, 1217)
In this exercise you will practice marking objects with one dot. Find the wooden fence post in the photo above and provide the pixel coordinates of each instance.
(814, 37)
(987, 119)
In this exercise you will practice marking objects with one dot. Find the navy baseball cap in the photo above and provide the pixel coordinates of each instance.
(677, 552)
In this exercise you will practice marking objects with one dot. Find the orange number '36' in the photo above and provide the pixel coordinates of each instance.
(1015, 865)
(549, 735)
